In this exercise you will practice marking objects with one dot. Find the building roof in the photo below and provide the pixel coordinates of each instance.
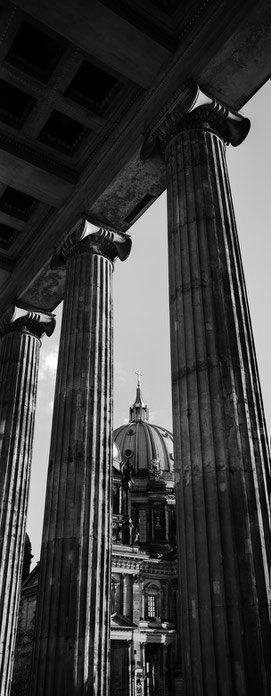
(117, 458)
(148, 448)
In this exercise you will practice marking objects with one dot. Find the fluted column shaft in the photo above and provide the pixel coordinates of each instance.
(221, 452)
(72, 620)
(19, 359)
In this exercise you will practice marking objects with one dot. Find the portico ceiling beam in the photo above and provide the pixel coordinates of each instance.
(34, 181)
(103, 34)
(114, 178)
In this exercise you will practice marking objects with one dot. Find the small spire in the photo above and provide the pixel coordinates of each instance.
(139, 411)
(139, 374)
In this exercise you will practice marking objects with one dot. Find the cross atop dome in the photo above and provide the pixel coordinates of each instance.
(139, 374)
(139, 411)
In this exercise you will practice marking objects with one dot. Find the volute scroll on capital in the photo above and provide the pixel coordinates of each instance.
(87, 236)
(27, 320)
(189, 109)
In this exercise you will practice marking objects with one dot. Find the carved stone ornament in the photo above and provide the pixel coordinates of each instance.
(28, 320)
(155, 469)
(190, 108)
(86, 236)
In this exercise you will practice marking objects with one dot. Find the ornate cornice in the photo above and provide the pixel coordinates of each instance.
(190, 108)
(123, 562)
(27, 320)
(164, 568)
(149, 494)
(86, 236)
(144, 568)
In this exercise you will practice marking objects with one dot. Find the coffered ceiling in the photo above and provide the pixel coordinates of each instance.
(80, 82)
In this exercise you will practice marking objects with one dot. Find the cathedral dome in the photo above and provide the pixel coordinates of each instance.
(117, 458)
(146, 447)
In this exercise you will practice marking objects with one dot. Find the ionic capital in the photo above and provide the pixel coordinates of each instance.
(27, 320)
(189, 109)
(86, 236)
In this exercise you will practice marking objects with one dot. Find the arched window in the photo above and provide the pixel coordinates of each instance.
(152, 592)
(152, 606)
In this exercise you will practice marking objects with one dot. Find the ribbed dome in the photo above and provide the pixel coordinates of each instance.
(117, 458)
(148, 447)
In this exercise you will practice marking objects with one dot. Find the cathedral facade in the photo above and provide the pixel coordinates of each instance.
(144, 592)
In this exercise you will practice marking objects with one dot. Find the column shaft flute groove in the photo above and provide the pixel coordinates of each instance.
(19, 359)
(72, 628)
(221, 454)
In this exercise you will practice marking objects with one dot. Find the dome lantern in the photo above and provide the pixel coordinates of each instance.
(139, 411)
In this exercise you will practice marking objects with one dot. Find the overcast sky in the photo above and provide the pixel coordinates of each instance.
(141, 323)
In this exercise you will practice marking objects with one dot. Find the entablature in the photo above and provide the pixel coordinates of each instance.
(68, 151)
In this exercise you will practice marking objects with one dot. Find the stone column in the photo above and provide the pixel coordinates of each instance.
(19, 358)
(71, 642)
(128, 595)
(221, 453)
(137, 601)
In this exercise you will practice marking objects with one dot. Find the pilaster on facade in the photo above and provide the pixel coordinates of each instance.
(21, 331)
(76, 544)
(222, 461)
